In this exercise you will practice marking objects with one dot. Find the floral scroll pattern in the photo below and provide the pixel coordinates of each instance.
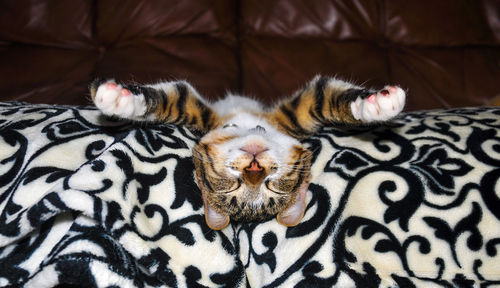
(90, 201)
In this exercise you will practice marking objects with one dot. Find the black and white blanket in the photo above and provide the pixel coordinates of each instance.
(90, 201)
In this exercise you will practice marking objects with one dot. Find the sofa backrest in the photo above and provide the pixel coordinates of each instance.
(446, 52)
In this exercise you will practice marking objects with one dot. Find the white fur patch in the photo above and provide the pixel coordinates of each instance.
(112, 101)
(380, 106)
(341, 85)
(234, 104)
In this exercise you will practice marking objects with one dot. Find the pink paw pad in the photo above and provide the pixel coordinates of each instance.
(111, 86)
(371, 98)
(124, 92)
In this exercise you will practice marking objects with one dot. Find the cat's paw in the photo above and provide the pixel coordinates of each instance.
(114, 100)
(379, 106)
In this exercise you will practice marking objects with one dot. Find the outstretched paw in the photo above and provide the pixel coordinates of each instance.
(379, 106)
(114, 100)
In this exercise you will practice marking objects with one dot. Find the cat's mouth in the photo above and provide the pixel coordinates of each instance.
(254, 174)
(254, 167)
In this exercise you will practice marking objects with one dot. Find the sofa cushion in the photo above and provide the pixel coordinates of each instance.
(91, 201)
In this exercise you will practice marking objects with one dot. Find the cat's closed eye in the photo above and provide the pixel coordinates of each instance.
(258, 129)
(228, 125)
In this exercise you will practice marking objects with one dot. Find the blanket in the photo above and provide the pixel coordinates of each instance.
(96, 202)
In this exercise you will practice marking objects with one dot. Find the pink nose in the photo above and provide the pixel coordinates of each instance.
(253, 149)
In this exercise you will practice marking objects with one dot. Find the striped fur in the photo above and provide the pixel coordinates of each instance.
(171, 102)
(324, 101)
(249, 163)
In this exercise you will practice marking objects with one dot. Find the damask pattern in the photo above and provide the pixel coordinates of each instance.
(91, 201)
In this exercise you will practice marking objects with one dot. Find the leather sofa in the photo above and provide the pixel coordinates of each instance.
(445, 53)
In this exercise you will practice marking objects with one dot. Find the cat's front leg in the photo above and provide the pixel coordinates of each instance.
(380, 106)
(115, 100)
(327, 101)
(174, 102)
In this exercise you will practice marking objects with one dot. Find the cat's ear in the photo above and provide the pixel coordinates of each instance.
(214, 219)
(293, 214)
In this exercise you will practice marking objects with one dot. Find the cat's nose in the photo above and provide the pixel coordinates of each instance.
(254, 149)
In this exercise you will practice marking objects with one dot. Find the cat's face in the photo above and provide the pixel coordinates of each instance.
(248, 170)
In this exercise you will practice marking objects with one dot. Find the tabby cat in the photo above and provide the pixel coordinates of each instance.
(250, 164)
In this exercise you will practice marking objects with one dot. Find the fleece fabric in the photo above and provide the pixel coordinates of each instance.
(95, 202)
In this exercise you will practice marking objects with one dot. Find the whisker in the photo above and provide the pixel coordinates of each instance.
(296, 169)
(311, 154)
(199, 155)
(203, 159)
(296, 166)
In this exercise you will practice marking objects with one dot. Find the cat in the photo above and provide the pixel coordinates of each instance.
(250, 164)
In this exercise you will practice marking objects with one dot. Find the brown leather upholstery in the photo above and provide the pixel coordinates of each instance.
(446, 52)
